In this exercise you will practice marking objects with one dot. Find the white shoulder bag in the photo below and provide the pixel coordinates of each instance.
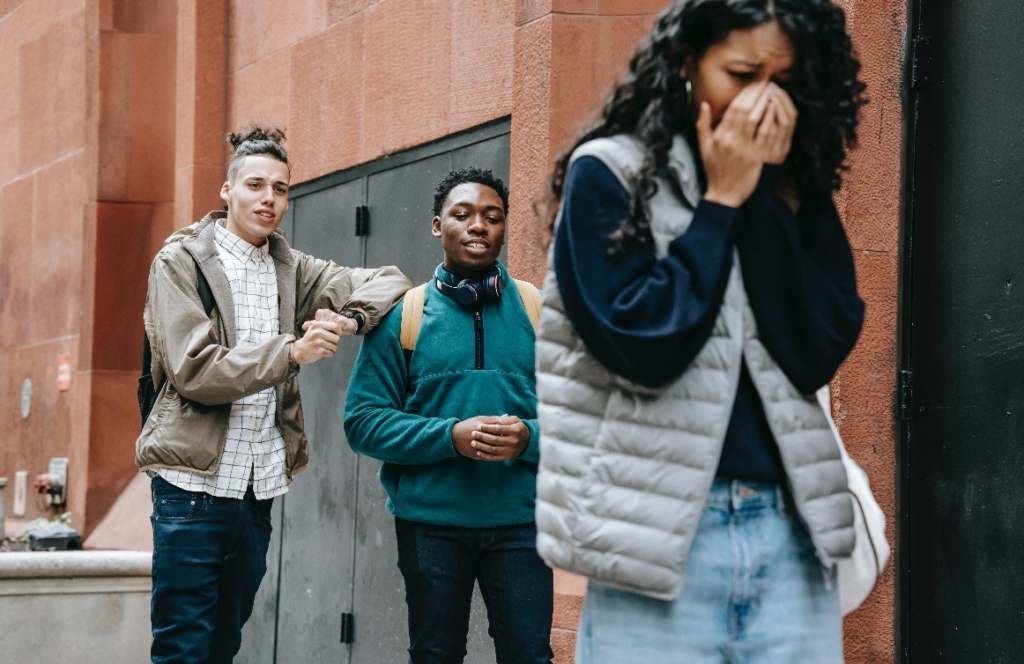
(857, 574)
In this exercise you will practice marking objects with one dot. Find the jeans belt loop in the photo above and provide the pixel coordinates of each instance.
(780, 501)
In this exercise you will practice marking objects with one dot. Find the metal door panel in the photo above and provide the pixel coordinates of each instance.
(401, 202)
(962, 458)
(334, 541)
(403, 197)
(316, 559)
(258, 635)
(490, 155)
(483, 155)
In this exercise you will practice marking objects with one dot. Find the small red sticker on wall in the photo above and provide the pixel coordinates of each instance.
(63, 373)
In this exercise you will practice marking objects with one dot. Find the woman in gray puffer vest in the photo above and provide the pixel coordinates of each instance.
(700, 289)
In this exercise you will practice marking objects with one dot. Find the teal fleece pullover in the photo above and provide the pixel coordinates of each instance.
(405, 418)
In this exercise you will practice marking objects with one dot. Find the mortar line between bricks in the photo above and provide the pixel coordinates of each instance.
(43, 167)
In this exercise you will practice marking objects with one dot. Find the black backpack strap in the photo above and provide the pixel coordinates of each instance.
(205, 294)
(147, 391)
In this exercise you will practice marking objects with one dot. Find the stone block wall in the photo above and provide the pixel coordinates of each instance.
(112, 133)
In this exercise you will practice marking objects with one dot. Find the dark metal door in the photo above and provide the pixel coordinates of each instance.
(962, 457)
(334, 547)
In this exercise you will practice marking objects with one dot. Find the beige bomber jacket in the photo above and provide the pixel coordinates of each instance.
(205, 370)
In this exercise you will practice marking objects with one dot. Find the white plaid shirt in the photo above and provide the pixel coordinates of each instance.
(254, 449)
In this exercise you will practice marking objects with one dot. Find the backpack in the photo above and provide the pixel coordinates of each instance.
(412, 312)
(147, 391)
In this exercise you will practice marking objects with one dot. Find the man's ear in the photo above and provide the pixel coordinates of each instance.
(435, 227)
(225, 192)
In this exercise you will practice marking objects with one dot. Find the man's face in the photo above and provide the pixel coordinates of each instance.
(257, 198)
(472, 229)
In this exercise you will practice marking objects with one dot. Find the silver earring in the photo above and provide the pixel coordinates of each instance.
(689, 92)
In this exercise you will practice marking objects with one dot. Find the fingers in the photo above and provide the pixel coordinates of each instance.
(745, 111)
(503, 427)
(758, 113)
(349, 326)
(769, 129)
(787, 108)
(704, 133)
(494, 439)
(331, 326)
(487, 447)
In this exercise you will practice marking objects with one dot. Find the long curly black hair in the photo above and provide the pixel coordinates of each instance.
(651, 103)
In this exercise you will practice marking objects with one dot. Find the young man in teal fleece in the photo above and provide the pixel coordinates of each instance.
(454, 422)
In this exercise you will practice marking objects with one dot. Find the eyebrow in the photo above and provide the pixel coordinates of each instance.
(468, 204)
(260, 178)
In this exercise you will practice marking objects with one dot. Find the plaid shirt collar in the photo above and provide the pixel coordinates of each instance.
(238, 247)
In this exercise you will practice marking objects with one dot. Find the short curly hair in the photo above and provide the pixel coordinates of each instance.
(254, 139)
(467, 176)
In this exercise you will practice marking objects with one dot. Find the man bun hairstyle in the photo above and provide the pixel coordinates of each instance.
(468, 176)
(255, 139)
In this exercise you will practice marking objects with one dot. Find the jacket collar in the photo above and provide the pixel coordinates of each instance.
(200, 241)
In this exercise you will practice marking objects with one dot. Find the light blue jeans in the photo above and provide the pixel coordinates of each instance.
(755, 593)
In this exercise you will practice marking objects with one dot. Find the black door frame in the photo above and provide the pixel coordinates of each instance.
(915, 76)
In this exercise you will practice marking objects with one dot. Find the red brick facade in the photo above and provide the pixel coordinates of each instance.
(111, 133)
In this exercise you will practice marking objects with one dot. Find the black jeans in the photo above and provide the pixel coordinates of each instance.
(440, 565)
(209, 557)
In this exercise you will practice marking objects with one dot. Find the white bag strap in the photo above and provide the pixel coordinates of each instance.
(858, 574)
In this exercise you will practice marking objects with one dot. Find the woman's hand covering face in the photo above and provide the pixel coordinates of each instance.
(782, 112)
(756, 129)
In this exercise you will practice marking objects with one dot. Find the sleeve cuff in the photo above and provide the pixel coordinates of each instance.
(532, 451)
(448, 436)
(712, 222)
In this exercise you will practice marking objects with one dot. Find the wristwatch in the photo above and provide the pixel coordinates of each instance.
(354, 315)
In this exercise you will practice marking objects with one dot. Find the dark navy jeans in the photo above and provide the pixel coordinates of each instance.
(440, 565)
(209, 556)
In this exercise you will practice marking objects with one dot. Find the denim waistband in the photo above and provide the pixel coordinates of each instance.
(745, 495)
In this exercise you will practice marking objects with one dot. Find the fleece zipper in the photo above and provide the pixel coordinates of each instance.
(478, 328)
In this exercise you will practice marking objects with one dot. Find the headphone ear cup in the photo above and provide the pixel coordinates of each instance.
(468, 293)
(494, 284)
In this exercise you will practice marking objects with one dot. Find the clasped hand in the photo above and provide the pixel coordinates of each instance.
(756, 129)
(491, 438)
(322, 335)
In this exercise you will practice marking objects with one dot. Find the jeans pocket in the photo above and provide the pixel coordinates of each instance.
(263, 509)
(178, 506)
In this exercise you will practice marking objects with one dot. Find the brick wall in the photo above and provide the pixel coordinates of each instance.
(112, 131)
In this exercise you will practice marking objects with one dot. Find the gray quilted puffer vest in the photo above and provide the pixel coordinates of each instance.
(625, 470)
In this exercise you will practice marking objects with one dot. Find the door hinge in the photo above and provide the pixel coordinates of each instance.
(924, 59)
(905, 395)
(347, 628)
(362, 221)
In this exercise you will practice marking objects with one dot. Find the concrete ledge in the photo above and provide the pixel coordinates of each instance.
(76, 564)
(90, 607)
(75, 586)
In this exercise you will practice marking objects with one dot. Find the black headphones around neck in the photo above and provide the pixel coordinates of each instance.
(470, 292)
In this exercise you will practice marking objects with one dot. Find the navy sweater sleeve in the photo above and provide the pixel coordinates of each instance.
(799, 275)
(643, 318)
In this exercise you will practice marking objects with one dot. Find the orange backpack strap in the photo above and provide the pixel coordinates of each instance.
(412, 316)
(531, 300)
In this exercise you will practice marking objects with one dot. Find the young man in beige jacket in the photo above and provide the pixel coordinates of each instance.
(225, 434)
